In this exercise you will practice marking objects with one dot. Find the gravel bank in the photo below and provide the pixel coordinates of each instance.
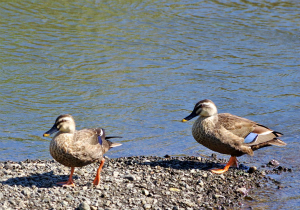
(130, 183)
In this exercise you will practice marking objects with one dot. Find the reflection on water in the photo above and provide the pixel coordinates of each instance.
(137, 68)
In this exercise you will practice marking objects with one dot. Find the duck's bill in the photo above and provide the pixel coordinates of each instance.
(191, 116)
(52, 130)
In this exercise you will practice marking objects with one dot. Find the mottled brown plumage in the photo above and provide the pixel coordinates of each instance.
(74, 148)
(229, 134)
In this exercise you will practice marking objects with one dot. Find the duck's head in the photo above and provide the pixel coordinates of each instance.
(64, 123)
(204, 108)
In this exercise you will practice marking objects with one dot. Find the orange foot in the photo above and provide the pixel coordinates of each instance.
(232, 162)
(70, 182)
(97, 178)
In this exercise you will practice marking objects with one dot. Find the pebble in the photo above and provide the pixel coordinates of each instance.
(173, 189)
(252, 169)
(84, 206)
(147, 206)
(145, 192)
(273, 163)
(242, 190)
(129, 177)
(204, 174)
(146, 183)
(116, 173)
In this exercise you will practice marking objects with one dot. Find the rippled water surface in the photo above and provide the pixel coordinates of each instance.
(137, 68)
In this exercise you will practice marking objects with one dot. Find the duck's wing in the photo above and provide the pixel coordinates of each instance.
(87, 136)
(96, 137)
(253, 134)
(239, 126)
(86, 147)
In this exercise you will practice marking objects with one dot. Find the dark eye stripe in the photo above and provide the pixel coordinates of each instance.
(198, 106)
(60, 122)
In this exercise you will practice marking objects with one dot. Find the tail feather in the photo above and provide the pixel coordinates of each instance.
(269, 138)
(272, 142)
(278, 134)
(111, 137)
(277, 142)
(111, 144)
(266, 137)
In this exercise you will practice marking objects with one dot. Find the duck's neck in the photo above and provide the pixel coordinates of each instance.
(205, 122)
(64, 134)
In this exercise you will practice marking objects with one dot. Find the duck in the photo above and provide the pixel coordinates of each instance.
(229, 134)
(78, 148)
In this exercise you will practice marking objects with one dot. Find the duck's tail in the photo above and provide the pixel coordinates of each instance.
(262, 136)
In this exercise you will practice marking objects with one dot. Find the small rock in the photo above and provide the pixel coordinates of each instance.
(263, 173)
(22, 204)
(69, 198)
(252, 169)
(106, 187)
(167, 192)
(147, 206)
(84, 206)
(173, 189)
(145, 192)
(247, 197)
(42, 165)
(242, 190)
(189, 203)
(129, 185)
(218, 196)
(116, 174)
(25, 192)
(46, 200)
(222, 176)
(193, 171)
(200, 182)
(108, 203)
(64, 203)
(129, 177)
(273, 163)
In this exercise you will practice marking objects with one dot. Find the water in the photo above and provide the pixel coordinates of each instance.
(136, 68)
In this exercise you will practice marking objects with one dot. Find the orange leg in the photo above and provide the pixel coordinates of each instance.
(70, 182)
(97, 178)
(232, 162)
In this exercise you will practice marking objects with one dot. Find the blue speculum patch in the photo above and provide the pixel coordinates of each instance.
(250, 138)
(100, 140)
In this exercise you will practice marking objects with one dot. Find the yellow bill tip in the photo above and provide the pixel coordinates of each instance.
(46, 134)
(183, 120)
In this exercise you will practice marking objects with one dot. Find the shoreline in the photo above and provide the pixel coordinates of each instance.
(131, 183)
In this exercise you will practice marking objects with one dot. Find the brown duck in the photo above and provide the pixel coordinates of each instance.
(229, 134)
(74, 148)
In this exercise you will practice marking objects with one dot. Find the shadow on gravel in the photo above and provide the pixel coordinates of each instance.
(177, 163)
(44, 180)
